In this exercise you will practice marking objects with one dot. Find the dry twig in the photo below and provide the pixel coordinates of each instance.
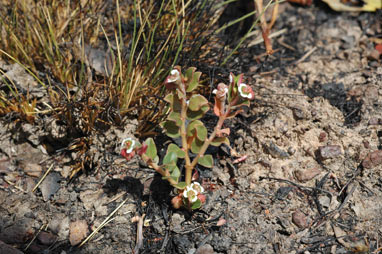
(139, 241)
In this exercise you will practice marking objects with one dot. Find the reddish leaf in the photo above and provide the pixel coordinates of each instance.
(217, 107)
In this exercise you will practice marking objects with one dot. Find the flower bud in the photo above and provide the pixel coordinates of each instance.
(202, 198)
(177, 202)
(174, 79)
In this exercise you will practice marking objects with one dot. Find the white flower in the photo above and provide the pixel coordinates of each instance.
(197, 187)
(244, 91)
(222, 89)
(230, 78)
(191, 194)
(129, 143)
(174, 76)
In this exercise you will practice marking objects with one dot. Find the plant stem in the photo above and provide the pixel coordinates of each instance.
(183, 134)
(159, 169)
(209, 140)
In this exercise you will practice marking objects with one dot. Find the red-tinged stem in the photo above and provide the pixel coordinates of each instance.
(183, 134)
(206, 144)
(158, 169)
(209, 140)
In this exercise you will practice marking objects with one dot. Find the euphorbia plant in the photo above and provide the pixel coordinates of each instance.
(186, 109)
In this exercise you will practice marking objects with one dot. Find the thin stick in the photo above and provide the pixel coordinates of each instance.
(14, 185)
(107, 220)
(139, 241)
(307, 54)
(43, 177)
(34, 238)
(272, 35)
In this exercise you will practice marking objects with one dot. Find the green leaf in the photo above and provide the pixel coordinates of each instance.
(194, 115)
(192, 126)
(170, 158)
(220, 140)
(174, 101)
(189, 73)
(198, 127)
(196, 145)
(192, 78)
(175, 116)
(169, 98)
(241, 104)
(174, 148)
(181, 185)
(201, 132)
(151, 149)
(206, 161)
(175, 173)
(196, 205)
(171, 129)
(196, 102)
(170, 167)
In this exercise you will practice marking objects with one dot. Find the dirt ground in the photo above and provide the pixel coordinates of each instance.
(312, 181)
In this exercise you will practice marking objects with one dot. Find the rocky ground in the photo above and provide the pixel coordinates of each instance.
(312, 181)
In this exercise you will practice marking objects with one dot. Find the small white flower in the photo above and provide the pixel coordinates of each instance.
(225, 90)
(130, 144)
(197, 187)
(230, 78)
(190, 194)
(242, 89)
(174, 72)
(174, 76)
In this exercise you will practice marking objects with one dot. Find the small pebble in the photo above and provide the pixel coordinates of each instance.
(5, 248)
(373, 159)
(46, 238)
(375, 121)
(291, 150)
(298, 113)
(324, 201)
(299, 219)
(176, 222)
(374, 55)
(329, 152)
(205, 249)
(306, 175)
(78, 231)
(276, 152)
(323, 137)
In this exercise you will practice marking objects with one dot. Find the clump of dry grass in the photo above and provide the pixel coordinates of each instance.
(57, 42)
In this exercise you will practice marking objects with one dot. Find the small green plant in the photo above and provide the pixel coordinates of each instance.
(186, 109)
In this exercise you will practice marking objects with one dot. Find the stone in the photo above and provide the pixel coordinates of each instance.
(299, 219)
(205, 249)
(46, 238)
(5, 248)
(373, 159)
(329, 152)
(306, 175)
(78, 230)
